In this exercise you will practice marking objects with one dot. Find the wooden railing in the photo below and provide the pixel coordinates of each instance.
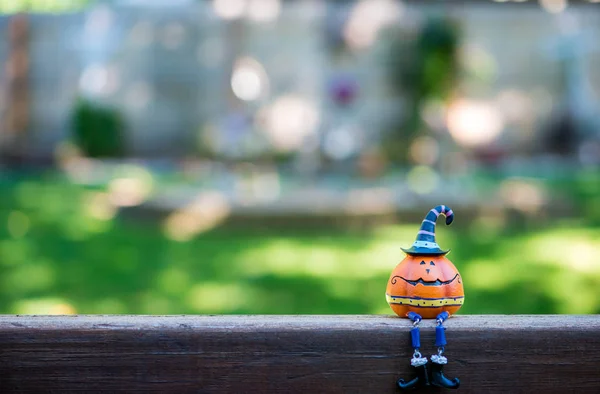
(304, 354)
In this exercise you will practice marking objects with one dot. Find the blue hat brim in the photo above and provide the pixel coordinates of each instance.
(425, 251)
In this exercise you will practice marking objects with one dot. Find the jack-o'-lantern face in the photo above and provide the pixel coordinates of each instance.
(427, 285)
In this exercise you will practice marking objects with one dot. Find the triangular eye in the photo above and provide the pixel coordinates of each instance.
(422, 263)
(431, 263)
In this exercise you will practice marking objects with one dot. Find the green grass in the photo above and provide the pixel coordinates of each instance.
(57, 254)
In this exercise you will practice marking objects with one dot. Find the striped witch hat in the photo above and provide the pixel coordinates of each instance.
(425, 243)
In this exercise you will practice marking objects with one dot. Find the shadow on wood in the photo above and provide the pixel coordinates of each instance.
(308, 354)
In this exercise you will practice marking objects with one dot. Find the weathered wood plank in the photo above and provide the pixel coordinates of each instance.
(309, 354)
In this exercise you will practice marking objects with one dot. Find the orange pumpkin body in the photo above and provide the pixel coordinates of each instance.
(427, 285)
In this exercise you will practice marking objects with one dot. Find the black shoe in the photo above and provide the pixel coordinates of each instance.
(438, 379)
(422, 379)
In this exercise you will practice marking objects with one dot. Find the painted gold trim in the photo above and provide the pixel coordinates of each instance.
(425, 302)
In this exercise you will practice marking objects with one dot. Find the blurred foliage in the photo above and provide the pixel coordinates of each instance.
(58, 255)
(583, 188)
(98, 131)
(421, 69)
(14, 6)
(432, 67)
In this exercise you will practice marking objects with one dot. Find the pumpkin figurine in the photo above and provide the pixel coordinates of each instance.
(426, 285)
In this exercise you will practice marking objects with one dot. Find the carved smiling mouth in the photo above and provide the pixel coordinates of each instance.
(436, 282)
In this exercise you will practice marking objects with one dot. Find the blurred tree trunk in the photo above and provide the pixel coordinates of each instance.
(13, 142)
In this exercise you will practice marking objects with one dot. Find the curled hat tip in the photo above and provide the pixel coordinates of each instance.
(425, 243)
(447, 211)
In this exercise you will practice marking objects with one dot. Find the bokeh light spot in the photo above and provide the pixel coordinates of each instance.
(210, 297)
(523, 195)
(474, 123)
(424, 150)
(422, 179)
(44, 306)
(98, 206)
(263, 10)
(249, 80)
(554, 6)
(207, 211)
(289, 121)
(367, 18)
(128, 192)
(229, 9)
(131, 186)
(341, 143)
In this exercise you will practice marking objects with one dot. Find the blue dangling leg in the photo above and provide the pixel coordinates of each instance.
(438, 360)
(417, 361)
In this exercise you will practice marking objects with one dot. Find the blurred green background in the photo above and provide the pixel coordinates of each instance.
(273, 156)
(63, 251)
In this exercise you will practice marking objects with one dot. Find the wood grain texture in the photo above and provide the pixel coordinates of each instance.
(308, 354)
